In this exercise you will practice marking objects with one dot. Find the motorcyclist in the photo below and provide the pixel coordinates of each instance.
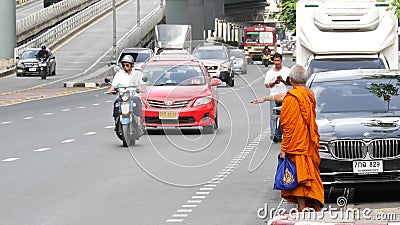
(128, 77)
(266, 52)
(43, 53)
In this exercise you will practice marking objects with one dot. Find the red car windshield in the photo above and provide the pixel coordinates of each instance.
(183, 75)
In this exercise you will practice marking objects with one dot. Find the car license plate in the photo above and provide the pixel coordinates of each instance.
(168, 115)
(32, 69)
(368, 167)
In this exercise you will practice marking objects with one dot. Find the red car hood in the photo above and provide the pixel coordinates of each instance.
(176, 92)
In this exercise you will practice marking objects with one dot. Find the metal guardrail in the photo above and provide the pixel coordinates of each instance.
(59, 31)
(48, 17)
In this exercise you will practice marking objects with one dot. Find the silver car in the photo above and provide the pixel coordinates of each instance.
(240, 62)
(218, 62)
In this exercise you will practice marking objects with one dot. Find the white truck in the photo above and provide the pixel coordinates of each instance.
(172, 37)
(343, 34)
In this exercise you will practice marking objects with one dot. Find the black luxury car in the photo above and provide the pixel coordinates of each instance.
(358, 116)
(28, 63)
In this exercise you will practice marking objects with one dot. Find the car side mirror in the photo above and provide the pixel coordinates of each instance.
(215, 82)
(112, 62)
(144, 79)
(17, 57)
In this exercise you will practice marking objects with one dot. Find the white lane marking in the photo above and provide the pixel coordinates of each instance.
(66, 110)
(95, 104)
(180, 215)
(216, 182)
(202, 193)
(81, 107)
(109, 127)
(48, 114)
(41, 149)
(6, 122)
(189, 206)
(89, 133)
(108, 101)
(174, 220)
(206, 189)
(184, 210)
(194, 201)
(210, 185)
(28, 118)
(9, 159)
(199, 197)
(68, 141)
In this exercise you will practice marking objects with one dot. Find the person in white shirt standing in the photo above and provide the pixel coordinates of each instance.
(128, 77)
(275, 79)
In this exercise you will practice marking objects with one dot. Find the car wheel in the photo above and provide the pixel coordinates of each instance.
(208, 129)
(244, 71)
(231, 82)
(216, 121)
(54, 71)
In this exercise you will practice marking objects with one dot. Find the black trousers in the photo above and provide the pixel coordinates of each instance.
(137, 110)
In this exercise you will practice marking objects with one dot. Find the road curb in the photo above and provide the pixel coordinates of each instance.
(81, 84)
(95, 79)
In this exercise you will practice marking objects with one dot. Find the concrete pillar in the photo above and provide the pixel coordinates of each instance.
(209, 14)
(8, 31)
(196, 18)
(219, 8)
(176, 12)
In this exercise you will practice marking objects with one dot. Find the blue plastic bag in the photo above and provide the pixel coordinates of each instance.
(286, 175)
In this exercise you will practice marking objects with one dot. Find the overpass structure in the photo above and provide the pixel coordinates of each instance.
(222, 18)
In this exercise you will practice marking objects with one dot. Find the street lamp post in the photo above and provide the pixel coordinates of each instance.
(114, 56)
(138, 13)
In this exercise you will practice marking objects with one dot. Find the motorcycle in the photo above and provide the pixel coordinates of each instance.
(127, 128)
(42, 64)
(266, 59)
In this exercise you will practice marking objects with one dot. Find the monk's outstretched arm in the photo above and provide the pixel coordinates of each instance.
(274, 98)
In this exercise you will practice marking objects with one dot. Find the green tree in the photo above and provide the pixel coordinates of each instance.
(396, 7)
(288, 14)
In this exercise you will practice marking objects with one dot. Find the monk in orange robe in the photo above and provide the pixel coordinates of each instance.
(301, 142)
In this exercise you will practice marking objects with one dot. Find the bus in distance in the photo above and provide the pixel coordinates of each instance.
(255, 38)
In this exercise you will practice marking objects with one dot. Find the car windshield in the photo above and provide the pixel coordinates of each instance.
(29, 54)
(368, 95)
(182, 75)
(142, 57)
(322, 65)
(210, 54)
(237, 54)
(138, 57)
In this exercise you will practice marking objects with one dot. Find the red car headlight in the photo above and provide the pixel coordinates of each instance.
(203, 101)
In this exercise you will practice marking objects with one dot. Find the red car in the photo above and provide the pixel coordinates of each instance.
(180, 93)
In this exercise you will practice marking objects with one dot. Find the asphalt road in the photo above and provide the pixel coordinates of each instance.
(61, 163)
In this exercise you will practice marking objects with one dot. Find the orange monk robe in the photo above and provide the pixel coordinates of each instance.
(301, 144)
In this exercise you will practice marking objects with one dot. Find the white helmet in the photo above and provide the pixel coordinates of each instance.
(127, 59)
